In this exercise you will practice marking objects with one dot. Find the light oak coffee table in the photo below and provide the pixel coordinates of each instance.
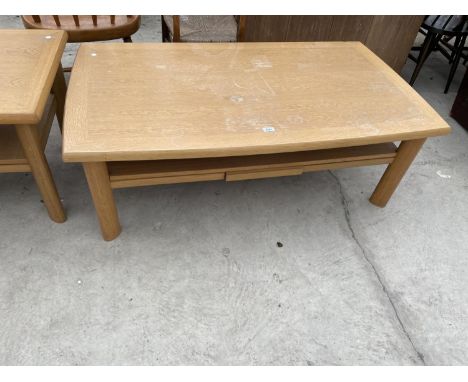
(147, 114)
(30, 71)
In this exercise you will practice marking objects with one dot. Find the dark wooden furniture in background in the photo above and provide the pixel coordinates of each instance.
(202, 28)
(460, 106)
(439, 31)
(390, 37)
(87, 28)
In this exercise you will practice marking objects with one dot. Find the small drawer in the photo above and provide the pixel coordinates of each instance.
(258, 174)
(139, 182)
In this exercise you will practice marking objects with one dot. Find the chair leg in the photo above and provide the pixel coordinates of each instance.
(127, 39)
(430, 42)
(458, 51)
(454, 51)
(164, 30)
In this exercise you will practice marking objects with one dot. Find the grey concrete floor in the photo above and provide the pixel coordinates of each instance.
(197, 276)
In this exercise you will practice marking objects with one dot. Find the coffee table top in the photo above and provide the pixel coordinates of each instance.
(28, 63)
(166, 101)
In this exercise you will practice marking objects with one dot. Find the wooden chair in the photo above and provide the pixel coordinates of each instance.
(203, 28)
(87, 28)
(439, 31)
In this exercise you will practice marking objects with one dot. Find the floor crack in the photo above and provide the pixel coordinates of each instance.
(344, 203)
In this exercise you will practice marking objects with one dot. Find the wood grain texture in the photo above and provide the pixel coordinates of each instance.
(300, 26)
(259, 28)
(29, 61)
(388, 36)
(350, 28)
(391, 38)
(172, 101)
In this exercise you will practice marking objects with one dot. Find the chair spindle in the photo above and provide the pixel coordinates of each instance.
(57, 20)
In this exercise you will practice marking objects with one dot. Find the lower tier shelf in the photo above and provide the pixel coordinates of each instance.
(146, 173)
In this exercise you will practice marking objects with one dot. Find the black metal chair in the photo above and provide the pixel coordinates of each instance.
(439, 31)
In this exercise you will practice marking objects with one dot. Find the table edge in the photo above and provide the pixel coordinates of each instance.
(96, 156)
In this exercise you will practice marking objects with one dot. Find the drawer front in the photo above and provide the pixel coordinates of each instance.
(232, 176)
(123, 183)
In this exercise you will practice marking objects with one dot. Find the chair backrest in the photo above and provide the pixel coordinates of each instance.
(448, 23)
(87, 28)
(76, 19)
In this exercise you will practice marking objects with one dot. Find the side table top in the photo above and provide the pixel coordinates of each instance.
(147, 101)
(28, 62)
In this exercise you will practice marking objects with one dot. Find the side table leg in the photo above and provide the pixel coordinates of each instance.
(101, 192)
(395, 171)
(28, 135)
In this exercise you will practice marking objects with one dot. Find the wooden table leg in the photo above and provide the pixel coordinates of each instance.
(59, 88)
(406, 152)
(28, 135)
(101, 192)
